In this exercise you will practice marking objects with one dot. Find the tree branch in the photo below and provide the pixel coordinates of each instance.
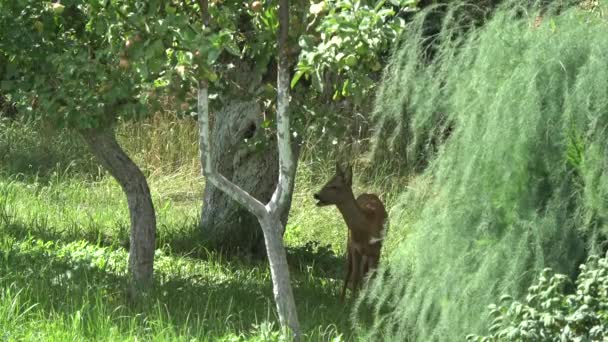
(287, 166)
(204, 7)
(128, 22)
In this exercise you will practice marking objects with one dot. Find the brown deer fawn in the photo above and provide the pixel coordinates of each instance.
(367, 222)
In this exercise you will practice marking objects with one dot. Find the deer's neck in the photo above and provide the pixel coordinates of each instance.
(353, 215)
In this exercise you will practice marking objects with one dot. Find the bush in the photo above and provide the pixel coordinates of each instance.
(548, 314)
(518, 179)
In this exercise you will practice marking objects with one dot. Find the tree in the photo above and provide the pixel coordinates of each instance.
(269, 215)
(86, 65)
(243, 131)
(65, 64)
(334, 54)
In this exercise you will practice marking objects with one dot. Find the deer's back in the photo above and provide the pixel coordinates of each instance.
(376, 214)
(372, 206)
(376, 225)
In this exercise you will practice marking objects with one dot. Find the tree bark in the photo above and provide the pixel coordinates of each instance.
(226, 224)
(279, 270)
(106, 149)
(269, 215)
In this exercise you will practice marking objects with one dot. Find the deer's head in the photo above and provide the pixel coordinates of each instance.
(338, 188)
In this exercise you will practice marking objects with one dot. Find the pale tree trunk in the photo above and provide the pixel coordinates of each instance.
(106, 149)
(279, 271)
(268, 215)
(269, 218)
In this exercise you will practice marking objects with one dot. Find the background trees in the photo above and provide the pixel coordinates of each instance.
(106, 61)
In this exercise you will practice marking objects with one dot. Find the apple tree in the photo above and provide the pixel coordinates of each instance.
(83, 65)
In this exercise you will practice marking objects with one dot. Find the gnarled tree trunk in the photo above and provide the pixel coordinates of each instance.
(226, 224)
(104, 146)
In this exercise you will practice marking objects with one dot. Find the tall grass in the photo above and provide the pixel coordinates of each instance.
(520, 183)
(166, 143)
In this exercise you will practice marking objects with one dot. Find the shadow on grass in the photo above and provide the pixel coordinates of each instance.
(312, 259)
(203, 298)
(317, 258)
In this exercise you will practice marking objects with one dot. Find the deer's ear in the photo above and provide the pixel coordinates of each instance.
(348, 174)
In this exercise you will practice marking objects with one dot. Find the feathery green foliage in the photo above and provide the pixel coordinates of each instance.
(520, 182)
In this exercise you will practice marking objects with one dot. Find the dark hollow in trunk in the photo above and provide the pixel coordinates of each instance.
(106, 149)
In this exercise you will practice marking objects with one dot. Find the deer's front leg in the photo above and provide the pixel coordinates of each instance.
(349, 269)
(357, 268)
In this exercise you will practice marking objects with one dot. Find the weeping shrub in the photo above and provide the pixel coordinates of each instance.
(514, 114)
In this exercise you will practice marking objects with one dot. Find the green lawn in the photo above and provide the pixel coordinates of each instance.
(63, 259)
(64, 235)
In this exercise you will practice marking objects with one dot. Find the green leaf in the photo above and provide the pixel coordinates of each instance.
(232, 48)
(505, 298)
(155, 49)
(379, 5)
(212, 55)
(296, 78)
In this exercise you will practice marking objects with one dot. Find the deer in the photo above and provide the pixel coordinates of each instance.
(367, 222)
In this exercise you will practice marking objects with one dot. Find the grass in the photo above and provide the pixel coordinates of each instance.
(63, 238)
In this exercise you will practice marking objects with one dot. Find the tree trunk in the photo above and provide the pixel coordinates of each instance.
(226, 224)
(270, 214)
(279, 269)
(104, 146)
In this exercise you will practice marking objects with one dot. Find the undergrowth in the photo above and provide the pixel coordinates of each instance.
(548, 313)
